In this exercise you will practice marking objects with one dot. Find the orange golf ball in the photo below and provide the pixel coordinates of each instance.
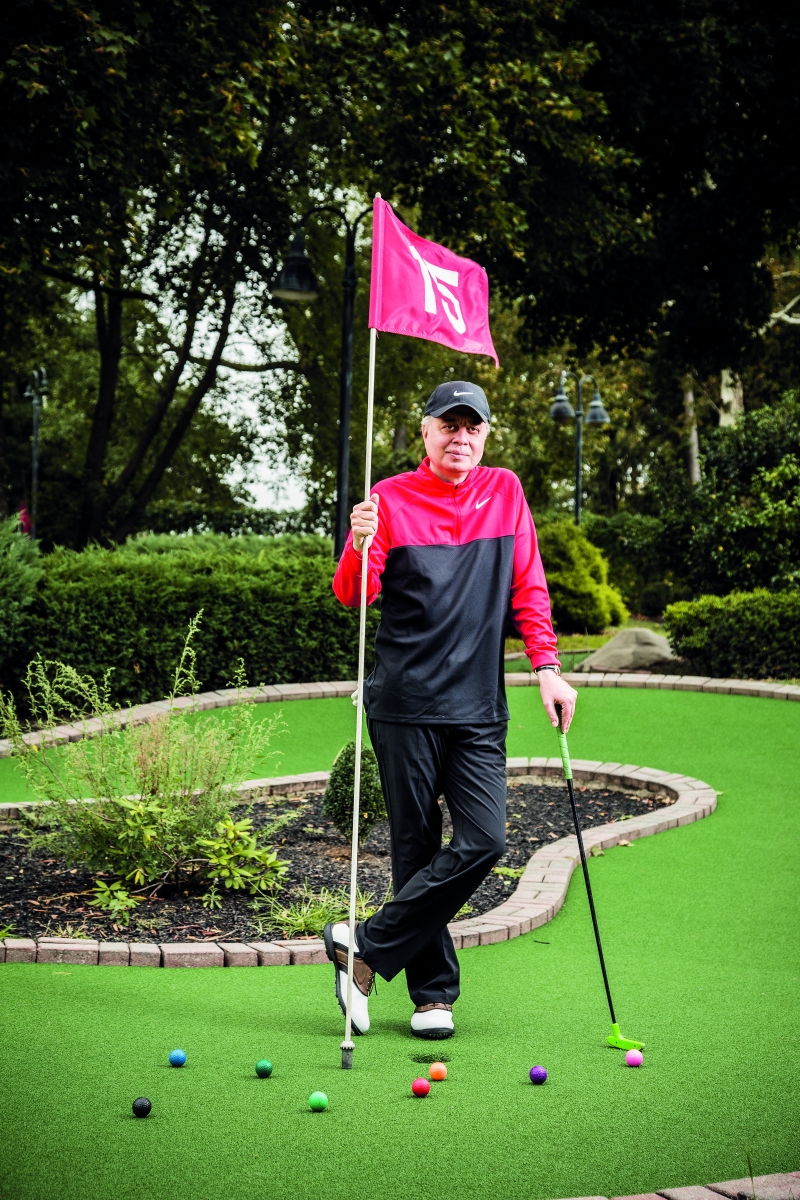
(438, 1071)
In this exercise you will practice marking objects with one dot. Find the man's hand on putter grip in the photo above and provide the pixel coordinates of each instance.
(556, 690)
(364, 522)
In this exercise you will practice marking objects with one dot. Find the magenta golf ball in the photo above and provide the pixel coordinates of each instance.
(634, 1058)
(538, 1074)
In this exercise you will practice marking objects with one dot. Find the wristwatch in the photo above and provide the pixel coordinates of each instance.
(547, 667)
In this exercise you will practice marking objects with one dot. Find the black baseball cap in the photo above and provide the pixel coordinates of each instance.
(448, 396)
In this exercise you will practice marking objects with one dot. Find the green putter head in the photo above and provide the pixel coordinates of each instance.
(616, 1040)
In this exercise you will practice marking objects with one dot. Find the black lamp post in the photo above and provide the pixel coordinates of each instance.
(296, 281)
(36, 392)
(562, 411)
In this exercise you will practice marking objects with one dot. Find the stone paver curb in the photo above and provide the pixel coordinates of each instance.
(762, 1187)
(270, 955)
(144, 954)
(192, 954)
(114, 954)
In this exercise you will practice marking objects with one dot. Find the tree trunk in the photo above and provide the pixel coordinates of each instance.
(3, 464)
(145, 494)
(108, 322)
(400, 439)
(692, 444)
(731, 397)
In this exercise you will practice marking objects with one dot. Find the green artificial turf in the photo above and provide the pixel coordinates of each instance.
(701, 934)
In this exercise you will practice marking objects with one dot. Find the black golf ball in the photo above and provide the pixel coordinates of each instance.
(141, 1107)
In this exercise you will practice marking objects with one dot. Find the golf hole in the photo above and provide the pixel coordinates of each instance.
(427, 1059)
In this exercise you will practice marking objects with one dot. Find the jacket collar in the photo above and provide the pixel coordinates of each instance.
(426, 476)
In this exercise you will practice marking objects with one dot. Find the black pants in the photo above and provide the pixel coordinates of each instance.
(419, 763)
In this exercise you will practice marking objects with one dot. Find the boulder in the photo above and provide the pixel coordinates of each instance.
(630, 650)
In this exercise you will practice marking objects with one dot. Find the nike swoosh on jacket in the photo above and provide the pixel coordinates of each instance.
(449, 574)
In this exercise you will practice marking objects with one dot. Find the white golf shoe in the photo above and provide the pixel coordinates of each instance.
(337, 942)
(434, 1021)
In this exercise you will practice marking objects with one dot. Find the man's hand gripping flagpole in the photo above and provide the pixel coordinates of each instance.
(347, 1045)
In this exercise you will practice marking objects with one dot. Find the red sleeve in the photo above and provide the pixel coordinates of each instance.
(530, 601)
(347, 580)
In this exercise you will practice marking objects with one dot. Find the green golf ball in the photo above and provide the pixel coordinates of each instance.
(263, 1068)
(318, 1102)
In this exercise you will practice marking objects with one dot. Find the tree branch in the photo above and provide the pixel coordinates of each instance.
(235, 366)
(94, 285)
(782, 315)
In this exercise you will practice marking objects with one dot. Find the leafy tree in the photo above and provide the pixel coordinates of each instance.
(158, 163)
(133, 172)
(701, 94)
(742, 529)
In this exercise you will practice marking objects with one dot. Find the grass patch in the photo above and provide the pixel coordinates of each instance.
(700, 932)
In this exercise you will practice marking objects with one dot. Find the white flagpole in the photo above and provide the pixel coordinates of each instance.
(347, 1045)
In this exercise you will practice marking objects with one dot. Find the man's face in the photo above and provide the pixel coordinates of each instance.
(454, 443)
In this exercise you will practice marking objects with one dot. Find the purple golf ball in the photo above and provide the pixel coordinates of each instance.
(538, 1074)
(634, 1058)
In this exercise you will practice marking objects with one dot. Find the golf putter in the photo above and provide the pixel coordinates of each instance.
(615, 1038)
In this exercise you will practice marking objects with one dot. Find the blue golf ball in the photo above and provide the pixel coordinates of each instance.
(538, 1074)
(177, 1058)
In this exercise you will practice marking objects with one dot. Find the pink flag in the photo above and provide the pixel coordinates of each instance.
(426, 291)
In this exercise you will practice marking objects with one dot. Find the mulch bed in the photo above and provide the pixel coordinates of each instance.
(41, 896)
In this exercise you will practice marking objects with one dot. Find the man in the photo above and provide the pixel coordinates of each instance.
(453, 553)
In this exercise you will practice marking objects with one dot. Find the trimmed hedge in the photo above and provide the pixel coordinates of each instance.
(129, 610)
(745, 635)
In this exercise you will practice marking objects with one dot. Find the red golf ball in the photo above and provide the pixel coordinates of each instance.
(420, 1087)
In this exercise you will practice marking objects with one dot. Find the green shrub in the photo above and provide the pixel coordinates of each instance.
(746, 635)
(310, 911)
(577, 576)
(267, 602)
(20, 572)
(337, 803)
(151, 803)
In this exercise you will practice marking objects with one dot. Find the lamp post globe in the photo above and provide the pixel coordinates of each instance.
(561, 410)
(596, 413)
(296, 280)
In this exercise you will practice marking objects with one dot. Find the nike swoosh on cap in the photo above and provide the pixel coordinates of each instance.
(463, 393)
(480, 503)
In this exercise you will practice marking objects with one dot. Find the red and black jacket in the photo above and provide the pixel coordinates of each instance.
(451, 562)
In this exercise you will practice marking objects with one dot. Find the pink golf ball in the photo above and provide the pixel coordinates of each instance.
(634, 1058)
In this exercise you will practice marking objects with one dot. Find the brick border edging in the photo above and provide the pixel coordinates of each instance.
(539, 895)
(785, 1186)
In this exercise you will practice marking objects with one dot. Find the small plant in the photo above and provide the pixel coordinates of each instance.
(114, 899)
(6, 931)
(337, 803)
(150, 803)
(509, 872)
(68, 931)
(311, 911)
(235, 857)
(464, 911)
